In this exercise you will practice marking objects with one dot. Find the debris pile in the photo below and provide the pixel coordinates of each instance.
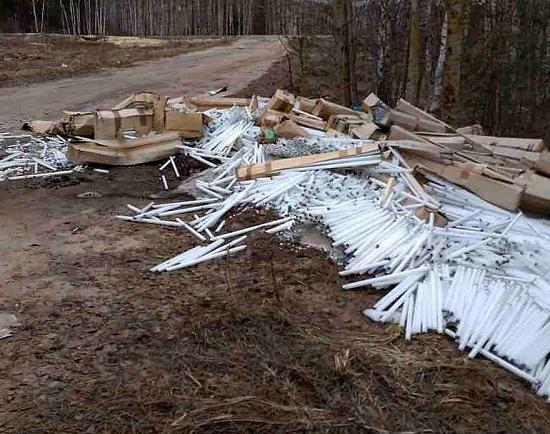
(25, 156)
(454, 260)
(144, 127)
(508, 172)
(421, 210)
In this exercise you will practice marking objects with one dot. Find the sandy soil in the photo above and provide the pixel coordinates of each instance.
(234, 65)
(265, 341)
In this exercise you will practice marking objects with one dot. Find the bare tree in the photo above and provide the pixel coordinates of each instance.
(453, 60)
(438, 76)
(344, 34)
(414, 64)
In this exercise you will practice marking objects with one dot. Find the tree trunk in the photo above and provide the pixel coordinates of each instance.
(34, 16)
(415, 55)
(438, 76)
(453, 63)
(343, 20)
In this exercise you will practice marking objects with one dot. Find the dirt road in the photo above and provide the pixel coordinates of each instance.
(235, 66)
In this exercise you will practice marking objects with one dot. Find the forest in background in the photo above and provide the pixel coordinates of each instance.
(468, 61)
(158, 17)
(485, 61)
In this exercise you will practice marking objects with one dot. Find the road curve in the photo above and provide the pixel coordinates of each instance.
(233, 65)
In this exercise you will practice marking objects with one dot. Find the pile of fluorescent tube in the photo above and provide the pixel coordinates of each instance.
(298, 147)
(27, 157)
(479, 277)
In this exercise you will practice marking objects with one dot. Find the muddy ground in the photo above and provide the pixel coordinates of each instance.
(265, 341)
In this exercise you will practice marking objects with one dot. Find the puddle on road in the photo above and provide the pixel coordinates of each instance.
(7, 322)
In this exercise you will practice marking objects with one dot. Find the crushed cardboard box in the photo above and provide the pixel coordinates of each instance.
(112, 124)
(78, 123)
(126, 152)
(44, 127)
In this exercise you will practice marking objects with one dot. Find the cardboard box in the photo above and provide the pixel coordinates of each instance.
(150, 139)
(324, 109)
(542, 165)
(110, 124)
(536, 197)
(412, 143)
(78, 123)
(81, 153)
(189, 124)
(139, 100)
(343, 123)
(306, 121)
(147, 101)
(365, 131)
(378, 109)
(289, 129)
(516, 154)
(399, 133)
(306, 104)
(270, 118)
(44, 127)
(415, 123)
(533, 145)
(282, 101)
(450, 141)
(421, 118)
(497, 192)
